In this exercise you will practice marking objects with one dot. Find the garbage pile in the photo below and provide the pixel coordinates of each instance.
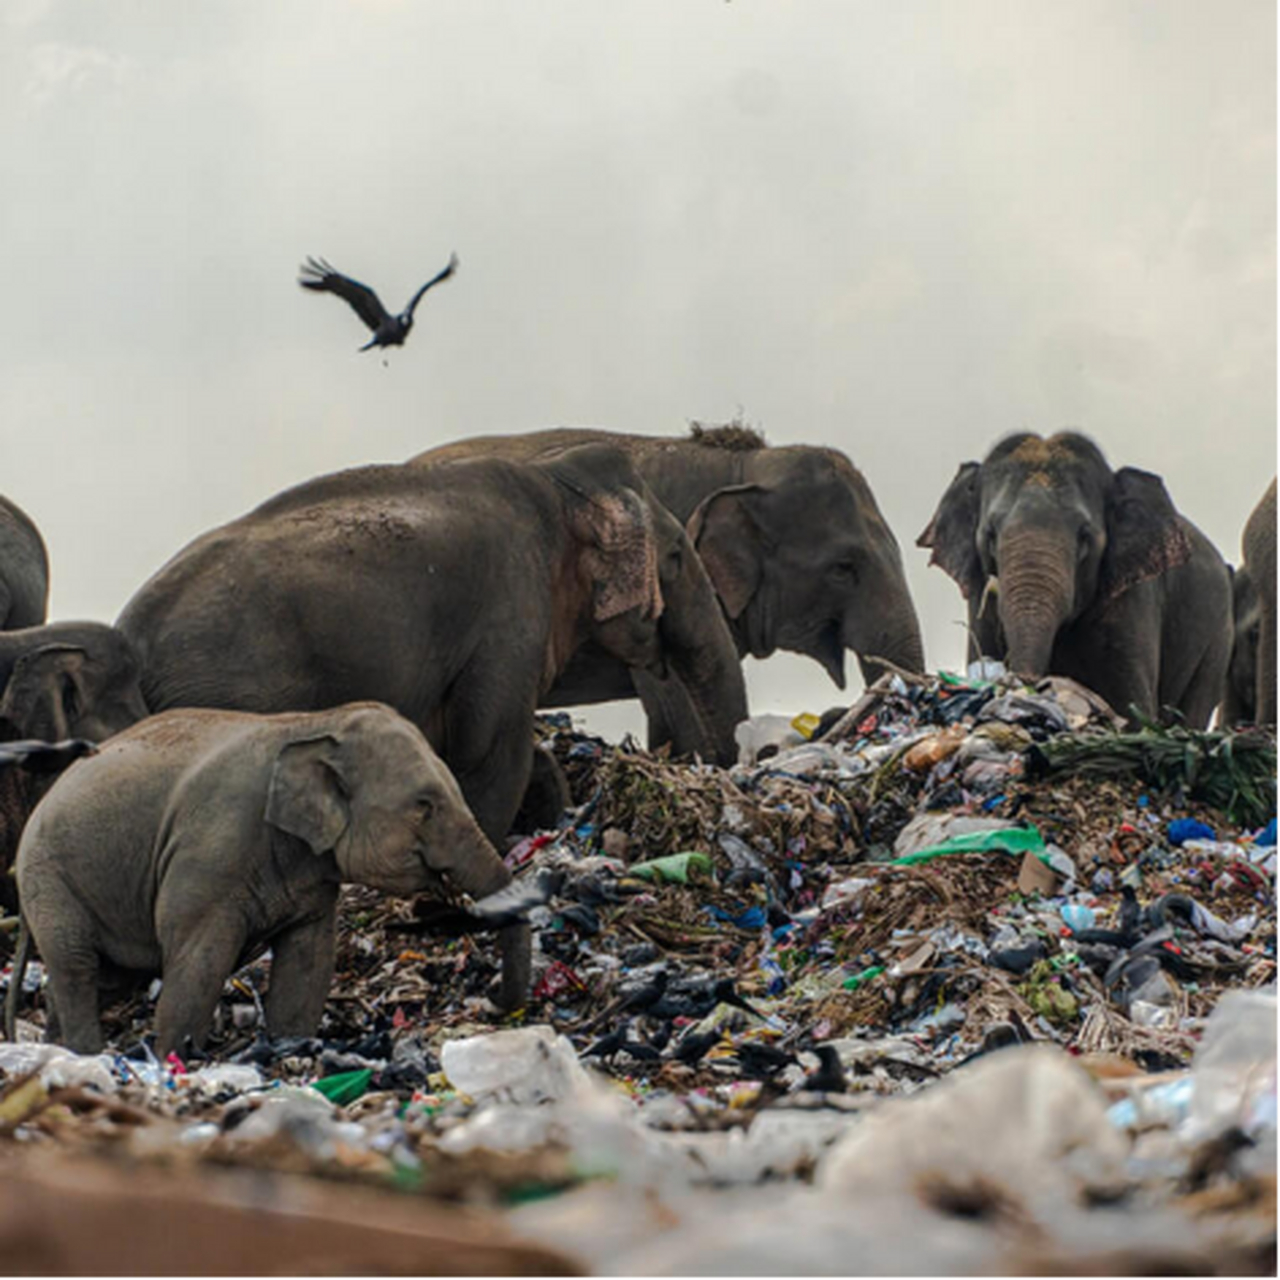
(737, 971)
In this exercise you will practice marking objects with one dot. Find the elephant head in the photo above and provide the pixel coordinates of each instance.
(1042, 531)
(654, 606)
(68, 680)
(802, 559)
(615, 553)
(371, 791)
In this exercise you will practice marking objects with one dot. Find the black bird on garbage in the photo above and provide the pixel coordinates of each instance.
(607, 1045)
(698, 997)
(762, 1061)
(829, 1075)
(619, 1041)
(633, 997)
(694, 1046)
(388, 330)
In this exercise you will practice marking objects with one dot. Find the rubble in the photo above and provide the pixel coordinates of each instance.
(751, 974)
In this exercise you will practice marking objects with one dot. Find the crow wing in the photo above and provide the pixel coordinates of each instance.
(319, 275)
(436, 279)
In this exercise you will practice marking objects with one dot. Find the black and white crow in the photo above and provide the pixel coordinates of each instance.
(388, 330)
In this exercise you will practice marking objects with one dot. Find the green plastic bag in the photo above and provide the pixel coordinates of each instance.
(345, 1086)
(856, 980)
(673, 869)
(1008, 840)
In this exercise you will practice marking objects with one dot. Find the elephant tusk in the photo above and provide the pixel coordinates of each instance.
(992, 588)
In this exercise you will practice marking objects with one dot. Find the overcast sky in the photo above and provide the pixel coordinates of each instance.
(899, 228)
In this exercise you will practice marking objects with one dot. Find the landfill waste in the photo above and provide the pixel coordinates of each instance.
(911, 962)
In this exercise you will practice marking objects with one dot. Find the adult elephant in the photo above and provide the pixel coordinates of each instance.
(1259, 546)
(455, 594)
(791, 537)
(1072, 569)
(24, 570)
(65, 680)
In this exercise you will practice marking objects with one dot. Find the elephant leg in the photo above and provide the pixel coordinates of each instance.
(1204, 689)
(70, 954)
(195, 970)
(547, 795)
(73, 991)
(673, 719)
(492, 759)
(302, 961)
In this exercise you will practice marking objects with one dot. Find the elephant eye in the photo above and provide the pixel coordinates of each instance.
(846, 570)
(426, 806)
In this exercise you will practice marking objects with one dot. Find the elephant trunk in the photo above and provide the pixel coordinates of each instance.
(1266, 697)
(712, 676)
(904, 650)
(480, 874)
(1036, 592)
(703, 657)
(890, 630)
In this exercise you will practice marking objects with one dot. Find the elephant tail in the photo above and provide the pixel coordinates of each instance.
(22, 953)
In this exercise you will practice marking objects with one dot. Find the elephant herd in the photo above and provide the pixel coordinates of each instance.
(340, 686)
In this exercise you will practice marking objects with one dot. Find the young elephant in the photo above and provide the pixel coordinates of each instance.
(197, 837)
(1072, 569)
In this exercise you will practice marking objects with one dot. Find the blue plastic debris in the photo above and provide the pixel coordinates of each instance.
(1180, 830)
(751, 918)
(1077, 917)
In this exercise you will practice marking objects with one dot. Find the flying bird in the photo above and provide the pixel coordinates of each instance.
(388, 330)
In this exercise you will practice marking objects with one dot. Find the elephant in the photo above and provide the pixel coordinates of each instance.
(1240, 701)
(1259, 547)
(60, 681)
(24, 570)
(1072, 569)
(456, 594)
(196, 838)
(791, 537)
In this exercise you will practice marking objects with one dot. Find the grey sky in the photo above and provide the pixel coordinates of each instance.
(902, 229)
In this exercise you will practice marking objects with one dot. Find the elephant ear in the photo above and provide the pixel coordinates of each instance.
(610, 519)
(730, 543)
(308, 796)
(1144, 535)
(952, 533)
(44, 694)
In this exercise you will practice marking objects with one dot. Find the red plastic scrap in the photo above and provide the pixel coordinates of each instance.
(558, 979)
(1248, 876)
(525, 850)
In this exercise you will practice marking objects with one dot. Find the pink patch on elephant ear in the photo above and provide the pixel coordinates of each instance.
(623, 557)
(1145, 537)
